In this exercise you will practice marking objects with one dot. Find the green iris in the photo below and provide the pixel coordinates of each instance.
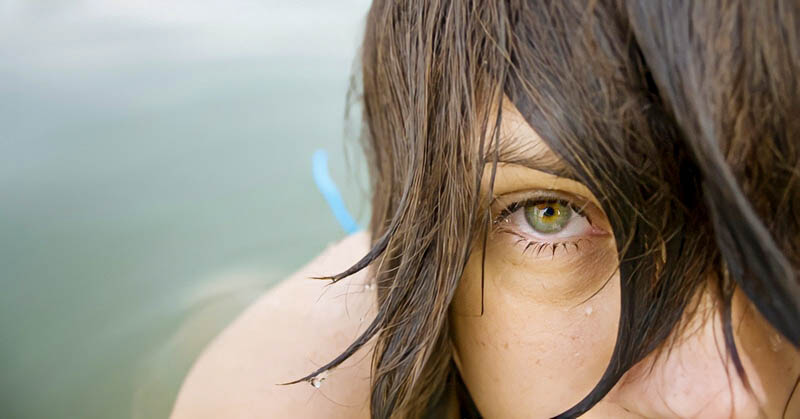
(548, 217)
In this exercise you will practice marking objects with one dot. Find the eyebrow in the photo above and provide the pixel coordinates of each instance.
(518, 150)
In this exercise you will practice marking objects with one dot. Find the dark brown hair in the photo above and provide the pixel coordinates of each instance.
(683, 118)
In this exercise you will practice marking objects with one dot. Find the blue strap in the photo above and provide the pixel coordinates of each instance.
(319, 170)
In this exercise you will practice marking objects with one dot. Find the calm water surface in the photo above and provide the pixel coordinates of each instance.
(154, 179)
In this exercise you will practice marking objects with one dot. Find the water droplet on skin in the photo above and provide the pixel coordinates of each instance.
(588, 310)
(369, 286)
(576, 354)
(316, 382)
(775, 342)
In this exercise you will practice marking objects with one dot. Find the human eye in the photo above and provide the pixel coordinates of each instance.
(546, 222)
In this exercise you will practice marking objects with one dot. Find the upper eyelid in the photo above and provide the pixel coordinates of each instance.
(577, 203)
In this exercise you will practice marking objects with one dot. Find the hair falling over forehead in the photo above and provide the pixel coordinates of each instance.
(681, 118)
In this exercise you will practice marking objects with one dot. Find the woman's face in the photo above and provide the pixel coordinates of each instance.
(552, 304)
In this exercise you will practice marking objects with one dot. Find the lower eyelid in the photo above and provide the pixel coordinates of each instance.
(530, 249)
(536, 249)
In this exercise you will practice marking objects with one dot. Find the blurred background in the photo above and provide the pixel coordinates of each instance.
(155, 178)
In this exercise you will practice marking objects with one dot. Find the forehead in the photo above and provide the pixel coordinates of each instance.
(518, 143)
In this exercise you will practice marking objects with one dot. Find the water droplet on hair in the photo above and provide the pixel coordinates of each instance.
(588, 310)
(316, 382)
(775, 342)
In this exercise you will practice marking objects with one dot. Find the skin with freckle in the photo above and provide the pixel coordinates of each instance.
(542, 312)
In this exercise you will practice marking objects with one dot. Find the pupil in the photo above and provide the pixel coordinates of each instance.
(549, 212)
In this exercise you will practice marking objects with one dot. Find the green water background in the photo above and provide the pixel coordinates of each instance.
(154, 179)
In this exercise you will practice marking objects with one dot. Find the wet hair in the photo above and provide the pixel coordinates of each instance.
(681, 117)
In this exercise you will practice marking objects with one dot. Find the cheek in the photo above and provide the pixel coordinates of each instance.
(530, 352)
(696, 379)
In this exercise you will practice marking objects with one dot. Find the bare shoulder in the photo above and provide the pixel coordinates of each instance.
(293, 329)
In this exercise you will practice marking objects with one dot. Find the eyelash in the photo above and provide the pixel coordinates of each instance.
(536, 247)
(507, 211)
